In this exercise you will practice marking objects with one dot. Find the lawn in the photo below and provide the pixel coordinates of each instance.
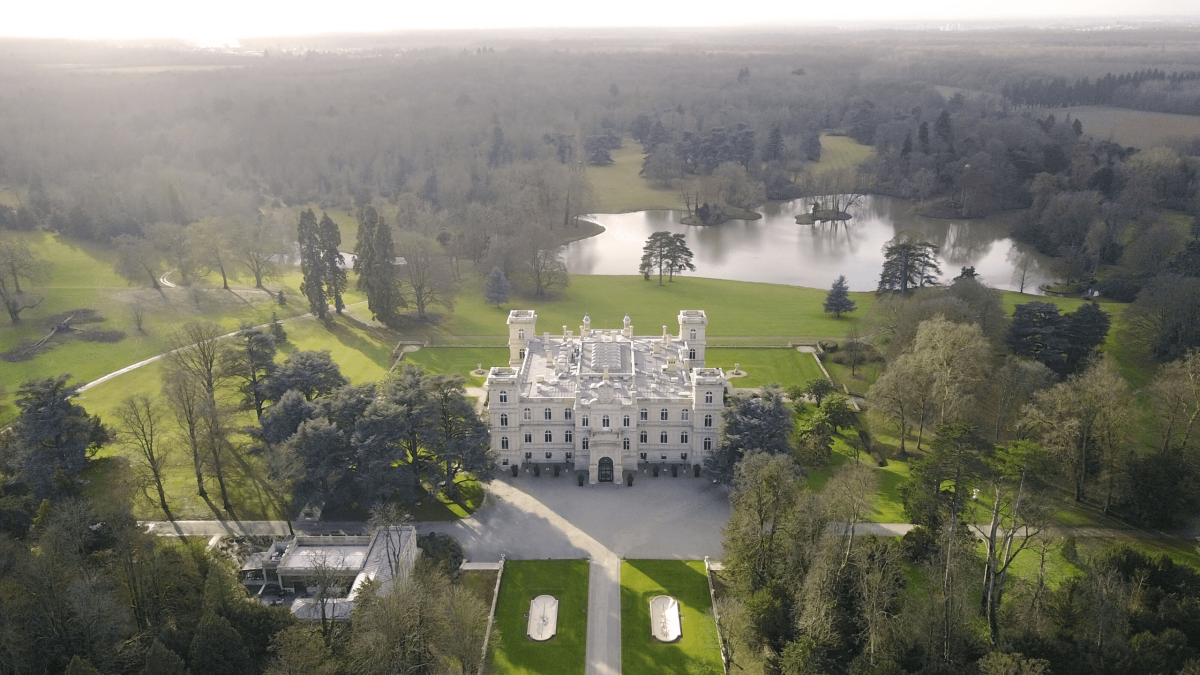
(618, 187)
(734, 308)
(81, 277)
(564, 654)
(763, 366)
(886, 505)
(840, 152)
(697, 650)
(460, 360)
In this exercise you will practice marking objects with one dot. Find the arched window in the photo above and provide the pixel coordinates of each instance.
(528, 414)
(625, 421)
(568, 436)
(645, 415)
(692, 334)
(708, 420)
(625, 444)
(604, 421)
(683, 438)
(549, 436)
(662, 414)
(503, 396)
(546, 414)
(504, 442)
(684, 415)
(692, 354)
(521, 334)
(662, 438)
(567, 414)
(708, 397)
(585, 443)
(503, 419)
(707, 444)
(584, 422)
(642, 437)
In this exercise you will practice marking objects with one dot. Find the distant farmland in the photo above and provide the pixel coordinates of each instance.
(1130, 127)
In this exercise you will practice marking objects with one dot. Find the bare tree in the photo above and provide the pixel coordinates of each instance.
(544, 268)
(198, 350)
(257, 246)
(850, 497)
(186, 401)
(137, 312)
(18, 263)
(426, 274)
(141, 421)
(877, 582)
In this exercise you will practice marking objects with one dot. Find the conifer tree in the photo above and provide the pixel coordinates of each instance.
(496, 288)
(838, 300)
(311, 264)
(375, 255)
(679, 256)
(330, 238)
(908, 263)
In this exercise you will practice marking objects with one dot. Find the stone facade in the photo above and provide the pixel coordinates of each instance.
(605, 400)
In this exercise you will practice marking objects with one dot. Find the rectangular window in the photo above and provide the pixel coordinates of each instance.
(662, 415)
(546, 414)
(504, 461)
(568, 455)
(529, 455)
(683, 455)
(585, 444)
(528, 438)
(683, 438)
(549, 455)
(567, 414)
(664, 455)
(643, 455)
(584, 421)
(528, 414)
(645, 414)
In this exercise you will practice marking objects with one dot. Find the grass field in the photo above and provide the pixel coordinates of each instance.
(697, 650)
(460, 360)
(763, 366)
(734, 308)
(524, 580)
(617, 188)
(840, 152)
(1138, 128)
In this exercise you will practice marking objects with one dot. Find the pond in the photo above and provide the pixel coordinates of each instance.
(776, 250)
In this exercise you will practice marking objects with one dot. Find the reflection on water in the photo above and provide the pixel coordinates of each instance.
(777, 250)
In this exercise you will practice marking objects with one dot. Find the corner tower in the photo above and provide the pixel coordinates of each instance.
(692, 325)
(522, 327)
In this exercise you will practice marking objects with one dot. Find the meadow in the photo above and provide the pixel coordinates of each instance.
(1138, 128)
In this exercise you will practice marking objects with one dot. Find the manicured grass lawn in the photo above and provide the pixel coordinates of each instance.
(481, 584)
(524, 580)
(617, 188)
(460, 360)
(763, 366)
(697, 650)
(363, 353)
(841, 152)
(734, 308)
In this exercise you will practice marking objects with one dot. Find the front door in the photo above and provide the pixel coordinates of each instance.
(605, 470)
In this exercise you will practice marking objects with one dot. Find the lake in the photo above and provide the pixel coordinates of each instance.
(776, 250)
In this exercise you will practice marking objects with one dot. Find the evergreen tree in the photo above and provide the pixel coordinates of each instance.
(375, 255)
(751, 423)
(908, 264)
(907, 148)
(331, 259)
(312, 267)
(160, 660)
(838, 300)
(774, 149)
(679, 256)
(51, 436)
(923, 137)
(1040, 331)
(217, 649)
(496, 288)
(1087, 328)
(253, 363)
(656, 255)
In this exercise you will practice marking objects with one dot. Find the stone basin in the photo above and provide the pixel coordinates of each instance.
(664, 618)
(543, 618)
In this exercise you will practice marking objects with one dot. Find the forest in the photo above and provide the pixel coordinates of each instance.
(471, 155)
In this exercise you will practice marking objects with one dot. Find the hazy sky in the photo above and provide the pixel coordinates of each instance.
(223, 19)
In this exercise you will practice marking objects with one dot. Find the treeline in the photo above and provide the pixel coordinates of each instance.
(999, 420)
(84, 589)
(1108, 90)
